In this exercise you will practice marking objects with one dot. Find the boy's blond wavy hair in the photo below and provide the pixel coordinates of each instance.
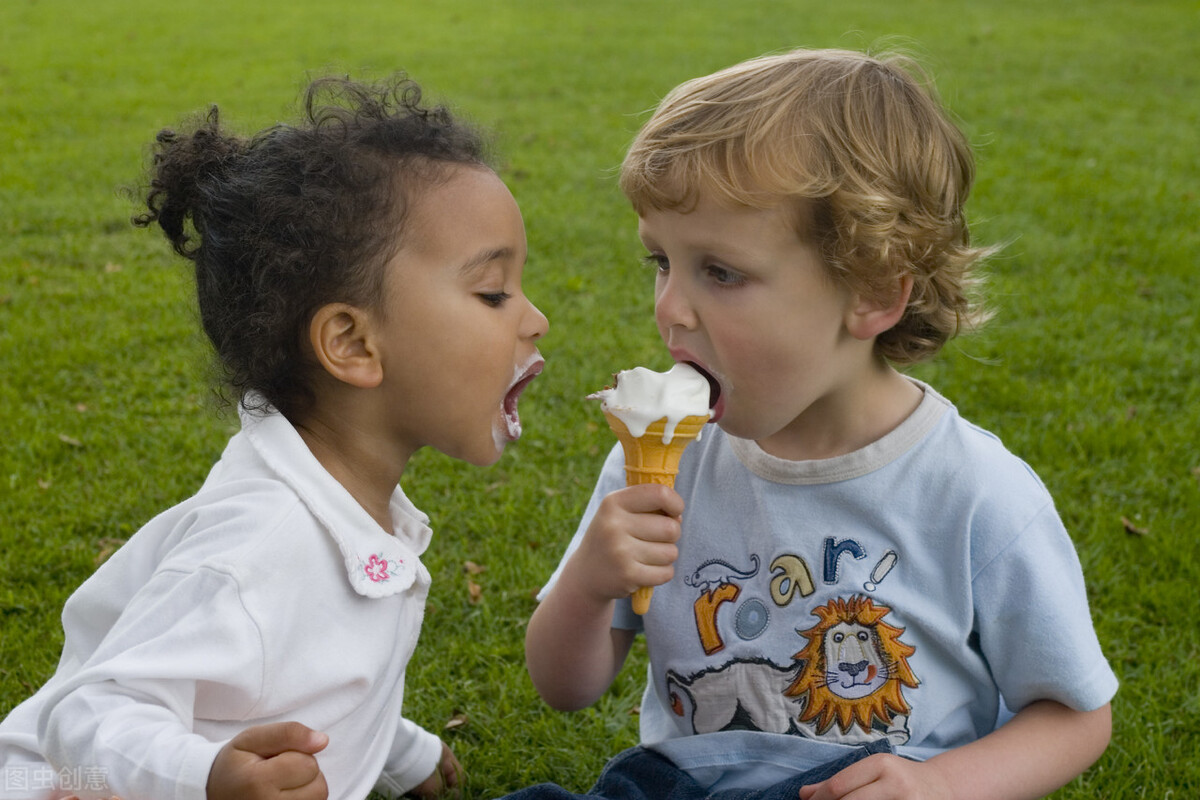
(875, 169)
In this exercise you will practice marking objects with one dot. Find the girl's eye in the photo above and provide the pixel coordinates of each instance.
(494, 299)
(658, 261)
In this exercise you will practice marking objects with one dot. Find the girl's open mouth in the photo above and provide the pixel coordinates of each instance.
(522, 377)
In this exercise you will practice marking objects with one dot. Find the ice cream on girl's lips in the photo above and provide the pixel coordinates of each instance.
(655, 415)
(642, 397)
(523, 375)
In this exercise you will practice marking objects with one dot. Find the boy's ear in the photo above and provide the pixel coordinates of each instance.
(868, 318)
(342, 339)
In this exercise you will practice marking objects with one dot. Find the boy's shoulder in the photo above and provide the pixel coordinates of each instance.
(966, 448)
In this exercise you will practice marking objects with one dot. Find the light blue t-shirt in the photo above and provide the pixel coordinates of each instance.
(910, 591)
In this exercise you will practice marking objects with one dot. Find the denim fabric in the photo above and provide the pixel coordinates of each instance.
(641, 774)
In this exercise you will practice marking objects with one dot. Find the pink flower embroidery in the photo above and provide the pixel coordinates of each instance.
(376, 569)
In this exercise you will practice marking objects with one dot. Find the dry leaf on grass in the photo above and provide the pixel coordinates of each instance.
(107, 546)
(1134, 529)
(474, 593)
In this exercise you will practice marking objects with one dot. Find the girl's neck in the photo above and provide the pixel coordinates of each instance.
(357, 459)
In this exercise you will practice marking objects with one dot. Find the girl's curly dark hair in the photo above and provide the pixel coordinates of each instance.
(297, 217)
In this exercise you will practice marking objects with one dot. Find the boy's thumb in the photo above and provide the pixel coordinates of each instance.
(268, 741)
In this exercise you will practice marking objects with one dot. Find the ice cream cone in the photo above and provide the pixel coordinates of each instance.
(648, 459)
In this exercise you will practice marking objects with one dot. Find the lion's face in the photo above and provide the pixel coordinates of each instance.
(854, 665)
(854, 661)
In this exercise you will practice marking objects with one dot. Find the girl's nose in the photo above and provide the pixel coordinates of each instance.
(536, 323)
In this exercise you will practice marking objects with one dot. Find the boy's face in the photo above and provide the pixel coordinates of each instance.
(458, 333)
(740, 295)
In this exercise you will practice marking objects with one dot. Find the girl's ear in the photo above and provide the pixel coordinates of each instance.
(866, 318)
(341, 336)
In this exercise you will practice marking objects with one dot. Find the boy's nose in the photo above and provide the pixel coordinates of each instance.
(671, 306)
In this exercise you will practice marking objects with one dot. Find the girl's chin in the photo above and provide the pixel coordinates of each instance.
(505, 432)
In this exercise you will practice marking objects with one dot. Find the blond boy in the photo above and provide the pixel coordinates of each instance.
(854, 584)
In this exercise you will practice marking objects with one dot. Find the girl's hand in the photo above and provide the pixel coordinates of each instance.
(446, 780)
(630, 542)
(270, 761)
(882, 777)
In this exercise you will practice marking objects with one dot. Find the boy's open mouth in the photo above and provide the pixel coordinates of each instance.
(714, 390)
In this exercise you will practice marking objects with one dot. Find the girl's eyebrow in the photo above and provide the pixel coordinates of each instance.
(485, 257)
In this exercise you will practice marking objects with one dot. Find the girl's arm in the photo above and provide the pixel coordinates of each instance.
(572, 651)
(1043, 747)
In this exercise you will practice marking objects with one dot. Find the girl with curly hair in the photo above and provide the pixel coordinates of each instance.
(359, 276)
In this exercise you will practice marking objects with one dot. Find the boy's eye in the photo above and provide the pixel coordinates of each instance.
(494, 299)
(724, 277)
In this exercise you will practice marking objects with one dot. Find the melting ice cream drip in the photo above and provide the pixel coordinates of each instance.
(642, 397)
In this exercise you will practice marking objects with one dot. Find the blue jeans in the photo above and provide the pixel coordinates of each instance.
(641, 774)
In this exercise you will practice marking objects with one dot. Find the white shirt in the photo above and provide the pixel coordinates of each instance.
(269, 596)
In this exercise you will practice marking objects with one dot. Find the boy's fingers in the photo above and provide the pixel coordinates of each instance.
(268, 741)
(652, 498)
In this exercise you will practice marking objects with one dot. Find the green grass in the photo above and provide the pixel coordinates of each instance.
(1084, 116)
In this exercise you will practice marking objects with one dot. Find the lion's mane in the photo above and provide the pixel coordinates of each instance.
(823, 707)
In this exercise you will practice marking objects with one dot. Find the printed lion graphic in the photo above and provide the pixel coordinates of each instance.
(854, 667)
(746, 695)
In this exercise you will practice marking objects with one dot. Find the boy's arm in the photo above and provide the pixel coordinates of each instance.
(572, 651)
(1042, 748)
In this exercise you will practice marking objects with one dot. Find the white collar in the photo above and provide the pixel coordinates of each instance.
(378, 564)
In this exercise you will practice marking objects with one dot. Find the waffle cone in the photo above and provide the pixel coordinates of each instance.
(649, 460)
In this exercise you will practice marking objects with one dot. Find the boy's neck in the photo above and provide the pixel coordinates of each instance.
(858, 414)
(358, 460)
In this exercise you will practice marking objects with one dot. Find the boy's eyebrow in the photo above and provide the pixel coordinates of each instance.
(485, 257)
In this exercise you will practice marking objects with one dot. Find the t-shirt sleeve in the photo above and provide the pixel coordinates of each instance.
(1034, 623)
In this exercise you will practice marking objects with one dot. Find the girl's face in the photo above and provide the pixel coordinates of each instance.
(742, 296)
(459, 334)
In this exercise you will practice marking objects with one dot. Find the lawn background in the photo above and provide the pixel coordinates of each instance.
(1085, 119)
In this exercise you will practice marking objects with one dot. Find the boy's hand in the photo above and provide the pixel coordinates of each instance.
(882, 777)
(270, 761)
(446, 780)
(630, 542)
